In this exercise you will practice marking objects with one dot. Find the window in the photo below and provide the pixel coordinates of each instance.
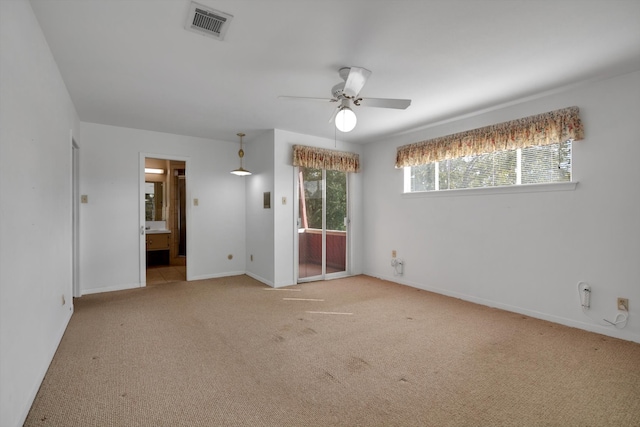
(528, 165)
(530, 150)
(336, 198)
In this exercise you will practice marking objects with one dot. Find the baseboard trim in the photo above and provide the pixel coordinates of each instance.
(110, 289)
(138, 285)
(603, 330)
(216, 276)
(43, 372)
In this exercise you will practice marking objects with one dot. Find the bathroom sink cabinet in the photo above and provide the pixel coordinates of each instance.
(158, 248)
(158, 242)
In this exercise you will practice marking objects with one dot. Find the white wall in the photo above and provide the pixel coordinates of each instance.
(284, 229)
(524, 252)
(37, 118)
(260, 221)
(271, 233)
(109, 232)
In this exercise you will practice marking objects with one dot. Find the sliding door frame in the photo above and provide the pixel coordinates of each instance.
(297, 225)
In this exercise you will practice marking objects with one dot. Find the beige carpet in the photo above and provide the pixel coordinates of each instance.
(348, 352)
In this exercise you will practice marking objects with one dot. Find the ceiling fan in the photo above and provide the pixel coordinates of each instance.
(347, 93)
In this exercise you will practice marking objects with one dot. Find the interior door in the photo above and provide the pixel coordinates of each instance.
(175, 214)
(322, 224)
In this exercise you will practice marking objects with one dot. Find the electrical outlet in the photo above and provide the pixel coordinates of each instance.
(623, 304)
(394, 254)
(64, 301)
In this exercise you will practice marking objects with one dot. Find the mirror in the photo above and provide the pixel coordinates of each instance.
(154, 201)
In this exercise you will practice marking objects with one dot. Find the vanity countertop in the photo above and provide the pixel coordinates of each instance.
(157, 231)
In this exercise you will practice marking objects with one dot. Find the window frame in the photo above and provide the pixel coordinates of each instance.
(499, 189)
(504, 189)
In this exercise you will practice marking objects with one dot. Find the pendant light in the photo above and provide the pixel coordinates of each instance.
(241, 171)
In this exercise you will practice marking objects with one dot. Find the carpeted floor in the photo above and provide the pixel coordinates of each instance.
(349, 352)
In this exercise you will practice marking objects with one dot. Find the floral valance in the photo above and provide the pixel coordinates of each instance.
(542, 129)
(320, 158)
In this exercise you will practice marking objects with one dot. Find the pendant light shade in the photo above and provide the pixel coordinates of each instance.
(346, 119)
(241, 171)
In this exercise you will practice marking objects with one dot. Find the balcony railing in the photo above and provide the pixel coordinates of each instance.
(310, 248)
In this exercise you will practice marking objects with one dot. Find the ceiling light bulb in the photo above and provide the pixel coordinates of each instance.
(346, 119)
(154, 170)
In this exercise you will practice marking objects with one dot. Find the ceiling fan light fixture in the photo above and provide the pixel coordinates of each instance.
(347, 93)
(346, 119)
(241, 171)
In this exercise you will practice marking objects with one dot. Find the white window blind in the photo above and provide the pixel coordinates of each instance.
(529, 165)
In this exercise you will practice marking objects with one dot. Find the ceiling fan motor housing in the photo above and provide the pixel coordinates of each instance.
(338, 91)
(344, 73)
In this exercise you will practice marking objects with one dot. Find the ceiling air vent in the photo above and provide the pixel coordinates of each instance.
(209, 22)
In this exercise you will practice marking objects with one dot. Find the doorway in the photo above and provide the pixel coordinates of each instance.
(75, 217)
(164, 217)
(180, 215)
(322, 224)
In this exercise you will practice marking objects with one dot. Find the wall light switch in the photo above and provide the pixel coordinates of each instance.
(284, 200)
(84, 199)
(195, 202)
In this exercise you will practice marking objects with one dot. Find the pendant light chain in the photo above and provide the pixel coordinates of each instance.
(241, 171)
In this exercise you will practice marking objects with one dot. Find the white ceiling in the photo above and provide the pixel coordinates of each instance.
(131, 63)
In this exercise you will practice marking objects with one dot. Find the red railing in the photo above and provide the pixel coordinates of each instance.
(310, 248)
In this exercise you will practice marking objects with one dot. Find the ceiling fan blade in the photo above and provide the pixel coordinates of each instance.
(399, 104)
(305, 98)
(355, 80)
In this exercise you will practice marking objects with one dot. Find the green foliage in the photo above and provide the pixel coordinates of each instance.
(484, 170)
(549, 163)
(539, 164)
(336, 198)
(423, 177)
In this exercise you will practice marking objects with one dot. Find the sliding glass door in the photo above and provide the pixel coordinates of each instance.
(322, 224)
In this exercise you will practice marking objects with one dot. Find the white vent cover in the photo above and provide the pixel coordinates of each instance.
(207, 21)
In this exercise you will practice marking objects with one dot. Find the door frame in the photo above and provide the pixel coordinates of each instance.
(296, 246)
(141, 209)
(75, 218)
